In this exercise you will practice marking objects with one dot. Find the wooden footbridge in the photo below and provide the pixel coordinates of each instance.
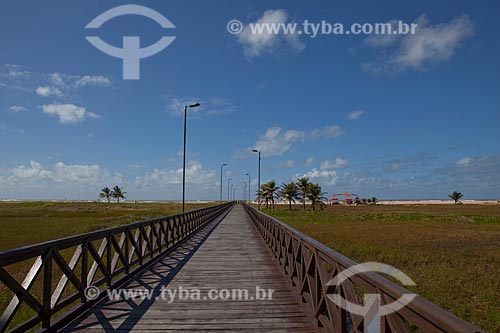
(73, 284)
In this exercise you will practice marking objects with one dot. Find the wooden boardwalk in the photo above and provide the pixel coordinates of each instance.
(226, 254)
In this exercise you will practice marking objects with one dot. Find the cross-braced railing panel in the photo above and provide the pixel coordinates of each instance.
(310, 266)
(59, 271)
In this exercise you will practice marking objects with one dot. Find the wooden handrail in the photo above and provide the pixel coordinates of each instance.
(122, 252)
(309, 265)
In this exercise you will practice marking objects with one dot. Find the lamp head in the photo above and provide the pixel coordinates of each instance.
(194, 105)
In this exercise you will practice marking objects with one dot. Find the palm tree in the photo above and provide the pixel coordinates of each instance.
(374, 200)
(268, 191)
(290, 192)
(118, 193)
(105, 193)
(263, 194)
(303, 184)
(316, 196)
(456, 196)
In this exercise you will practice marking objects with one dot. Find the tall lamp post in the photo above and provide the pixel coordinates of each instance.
(232, 192)
(244, 190)
(224, 164)
(258, 151)
(249, 201)
(228, 193)
(184, 161)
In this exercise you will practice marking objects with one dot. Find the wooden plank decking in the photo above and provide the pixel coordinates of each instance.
(227, 254)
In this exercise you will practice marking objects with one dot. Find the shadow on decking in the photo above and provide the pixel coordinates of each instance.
(153, 279)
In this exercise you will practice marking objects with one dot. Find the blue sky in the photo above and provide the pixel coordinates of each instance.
(410, 117)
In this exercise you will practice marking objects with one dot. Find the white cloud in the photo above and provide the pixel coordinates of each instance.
(92, 115)
(276, 141)
(134, 166)
(285, 164)
(69, 81)
(76, 173)
(60, 173)
(12, 71)
(383, 40)
(465, 161)
(327, 132)
(84, 181)
(430, 44)
(338, 163)
(195, 175)
(355, 115)
(208, 107)
(256, 43)
(48, 84)
(47, 91)
(309, 161)
(92, 80)
(57, 79)
(68, 113)
(34, 171)
(17, 108)
(323, 177)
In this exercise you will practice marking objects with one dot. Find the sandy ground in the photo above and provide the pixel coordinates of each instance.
(438, 202)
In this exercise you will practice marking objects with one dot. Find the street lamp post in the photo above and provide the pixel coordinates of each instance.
(184, 159)
(232, 192)
(258, 151)
(249, 201)
(244, 190)
(224, 164)
(228, 193)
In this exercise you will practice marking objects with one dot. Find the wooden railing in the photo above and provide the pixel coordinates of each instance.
(309, 266)
(54, 287)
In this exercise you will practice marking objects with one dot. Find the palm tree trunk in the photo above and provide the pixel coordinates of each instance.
(118, 200)
(290, 205)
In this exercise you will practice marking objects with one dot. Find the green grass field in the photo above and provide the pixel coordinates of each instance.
(26, 223)
(452, 252)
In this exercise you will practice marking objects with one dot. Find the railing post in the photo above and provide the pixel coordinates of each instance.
(109, 249)
(127, 250)
(153, 242)
(140, 244)
(47, 288)
(85, 269)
